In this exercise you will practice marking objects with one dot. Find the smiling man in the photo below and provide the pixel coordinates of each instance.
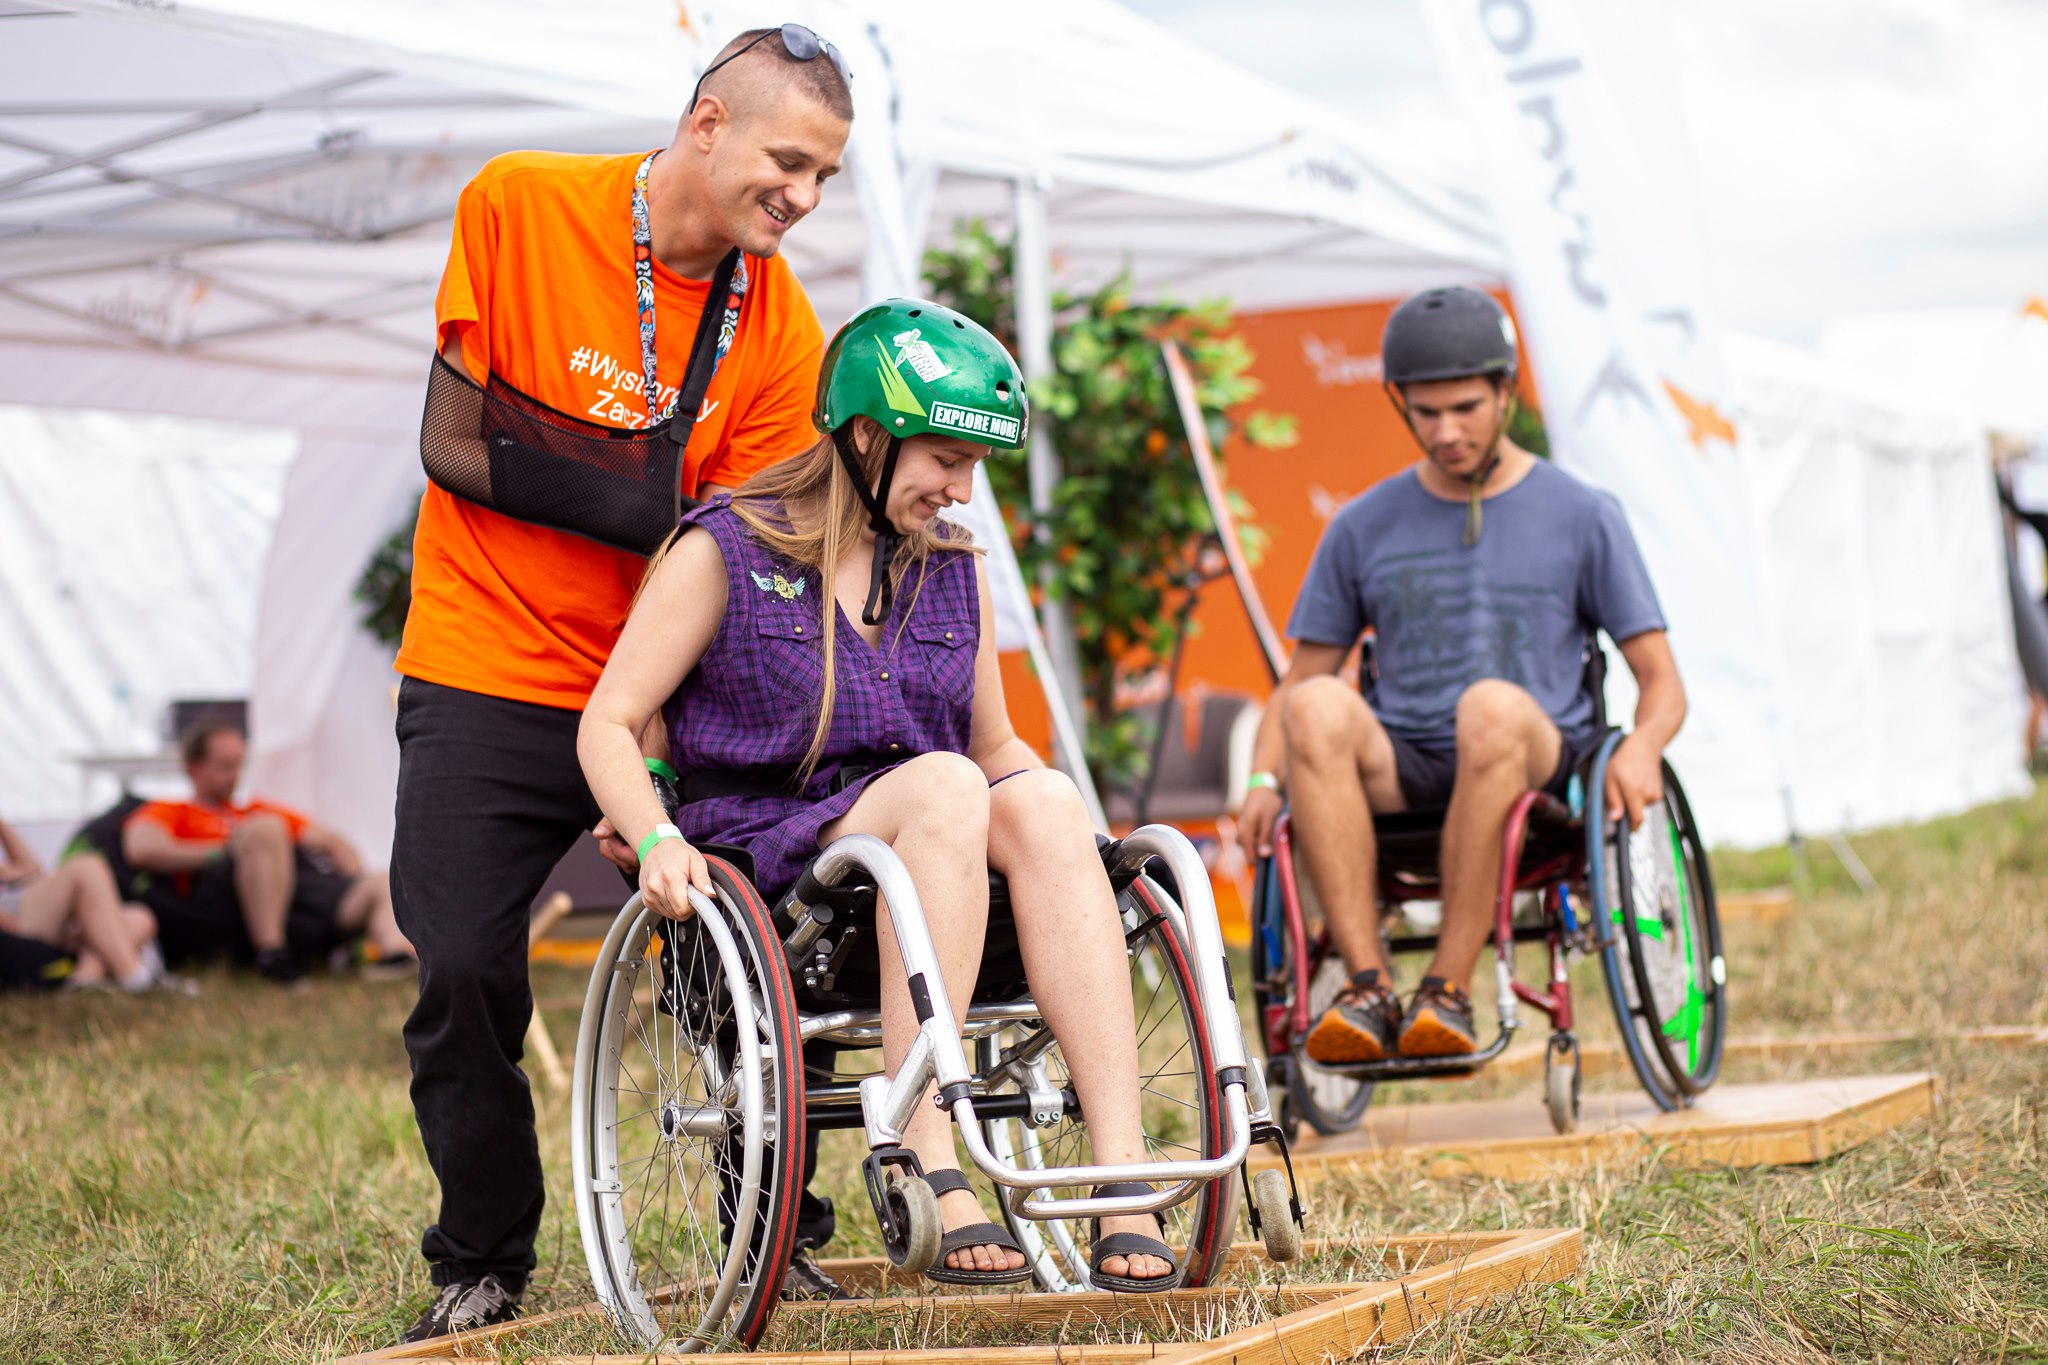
(579, 282)
(1483, 573)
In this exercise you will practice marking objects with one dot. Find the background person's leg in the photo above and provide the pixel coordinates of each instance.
(490, 796)
(78, 904)
(264, 878)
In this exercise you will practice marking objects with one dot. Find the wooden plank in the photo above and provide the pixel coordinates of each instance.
(1766, 908)
(1406, 1254)
(1788, 1123)
(1378, 1315)
(1457, 1271)
(1605, 1059)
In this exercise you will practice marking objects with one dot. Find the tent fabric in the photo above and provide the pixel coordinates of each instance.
(321, 725)
(1989, 365)
(1882, 554)
(131, 549)
(239, 208)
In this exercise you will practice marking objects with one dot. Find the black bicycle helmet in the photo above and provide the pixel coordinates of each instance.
(1449, 333)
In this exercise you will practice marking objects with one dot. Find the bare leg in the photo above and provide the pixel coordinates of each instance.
(79, 898)
(1073, 947)
(139, 927)
(366, 908)
(264, 878)
(1506, 747)
(933, 811)
(1340, 768)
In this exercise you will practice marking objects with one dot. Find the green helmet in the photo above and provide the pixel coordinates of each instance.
(920, 368)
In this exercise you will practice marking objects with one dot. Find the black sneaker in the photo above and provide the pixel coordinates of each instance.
(464, 1307)
(280, 968)
(1360, 1025)
(1439, 1022)
(806, 1279)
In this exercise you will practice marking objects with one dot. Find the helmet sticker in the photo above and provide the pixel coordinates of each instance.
(924, 361)
(994, 427)
(894, 390)
(1507, 330)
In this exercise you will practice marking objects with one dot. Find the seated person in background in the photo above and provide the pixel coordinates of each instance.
(70, 926)
(1479, 697)
(822, 650)
(254, 880)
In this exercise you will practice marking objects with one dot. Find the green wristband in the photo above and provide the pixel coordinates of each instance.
(1258, 780)
(655, 836)
(661, 767)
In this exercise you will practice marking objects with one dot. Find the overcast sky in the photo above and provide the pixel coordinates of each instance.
(1853, 154)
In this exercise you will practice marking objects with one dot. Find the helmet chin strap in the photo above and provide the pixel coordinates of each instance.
(887, 538)
(1476, 480)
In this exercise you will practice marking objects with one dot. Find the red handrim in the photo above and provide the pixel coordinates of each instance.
(1210, 1229)
(779, 996)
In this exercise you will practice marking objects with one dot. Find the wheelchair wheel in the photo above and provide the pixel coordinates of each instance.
(687, 1074)
(1331, 1101)
(1663, 959)
(1181, 1103)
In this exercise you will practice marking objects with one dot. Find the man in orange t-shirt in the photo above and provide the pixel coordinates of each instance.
(253, 880)
(570, 279)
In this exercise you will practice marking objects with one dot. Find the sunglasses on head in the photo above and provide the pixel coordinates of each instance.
(799, 42)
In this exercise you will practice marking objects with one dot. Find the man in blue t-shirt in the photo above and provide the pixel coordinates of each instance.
(1479, 643)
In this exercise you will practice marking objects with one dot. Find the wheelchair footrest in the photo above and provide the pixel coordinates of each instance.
(1422, 1068)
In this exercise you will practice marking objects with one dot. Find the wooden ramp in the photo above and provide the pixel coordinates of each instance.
(1788, 1123)
(1605, 1059)
(1420, 1279)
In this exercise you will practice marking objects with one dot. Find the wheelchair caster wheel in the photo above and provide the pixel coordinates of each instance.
(1561, 1083)
(915, 1210)
(1277, 1227)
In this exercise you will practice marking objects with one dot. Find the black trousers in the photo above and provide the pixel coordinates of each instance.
(490, 796)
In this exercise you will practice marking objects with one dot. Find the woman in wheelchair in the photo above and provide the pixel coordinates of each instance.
(820, 648)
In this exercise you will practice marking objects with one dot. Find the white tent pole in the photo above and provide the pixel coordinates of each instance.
(1032, 275)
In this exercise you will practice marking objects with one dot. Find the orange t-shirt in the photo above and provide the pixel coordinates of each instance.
(539, 290)
(186, 820)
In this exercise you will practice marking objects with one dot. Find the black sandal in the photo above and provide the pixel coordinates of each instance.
(973, 1235)
(1128, 1244)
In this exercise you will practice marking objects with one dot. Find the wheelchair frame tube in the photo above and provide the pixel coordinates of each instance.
(937, 1052)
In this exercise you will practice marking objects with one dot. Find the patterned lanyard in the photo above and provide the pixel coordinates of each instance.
(643, 296)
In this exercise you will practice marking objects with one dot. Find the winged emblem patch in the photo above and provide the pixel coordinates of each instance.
(778, 585)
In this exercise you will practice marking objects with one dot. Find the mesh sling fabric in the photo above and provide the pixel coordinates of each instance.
(501, 449)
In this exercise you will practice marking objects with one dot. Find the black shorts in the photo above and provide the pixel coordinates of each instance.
(207, 921)
(1426, 771)
(29, 964)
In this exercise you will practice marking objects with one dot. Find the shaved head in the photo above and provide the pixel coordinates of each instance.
(758, 80)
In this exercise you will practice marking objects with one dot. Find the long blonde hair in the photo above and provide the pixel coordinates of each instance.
(804, 509)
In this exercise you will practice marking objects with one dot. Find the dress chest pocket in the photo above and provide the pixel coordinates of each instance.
(946, 651)
(791, 656)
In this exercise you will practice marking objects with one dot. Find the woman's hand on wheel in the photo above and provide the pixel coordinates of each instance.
(668, 873)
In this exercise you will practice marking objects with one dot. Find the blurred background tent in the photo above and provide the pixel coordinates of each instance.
(236, 210)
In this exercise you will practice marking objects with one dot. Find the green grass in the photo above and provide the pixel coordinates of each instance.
(238, 1177)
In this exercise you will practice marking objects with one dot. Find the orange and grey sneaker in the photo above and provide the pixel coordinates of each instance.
(1438, 1022)
(1360, 1024)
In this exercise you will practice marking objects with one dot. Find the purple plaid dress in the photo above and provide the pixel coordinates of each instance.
(752, 700)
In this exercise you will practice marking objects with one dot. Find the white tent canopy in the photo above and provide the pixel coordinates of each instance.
(239, 209)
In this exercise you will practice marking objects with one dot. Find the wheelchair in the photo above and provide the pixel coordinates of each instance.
(1574, 877)
(710, 1051)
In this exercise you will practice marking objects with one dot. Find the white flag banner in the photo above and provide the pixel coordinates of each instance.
(1574, 108)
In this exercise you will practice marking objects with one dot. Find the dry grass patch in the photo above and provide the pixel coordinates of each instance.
(238, 1178)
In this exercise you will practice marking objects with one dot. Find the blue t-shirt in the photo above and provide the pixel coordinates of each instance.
(1554, 560)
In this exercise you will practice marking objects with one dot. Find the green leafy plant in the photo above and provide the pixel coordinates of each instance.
(385, 589)
(1128, 522)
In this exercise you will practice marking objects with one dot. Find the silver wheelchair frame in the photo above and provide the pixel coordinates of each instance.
(732, 1107)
